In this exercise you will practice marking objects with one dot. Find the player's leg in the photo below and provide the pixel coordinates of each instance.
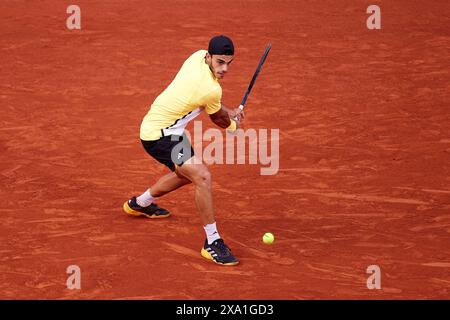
(168, 183)
(144, 205)
(214, 247)
(200, 176)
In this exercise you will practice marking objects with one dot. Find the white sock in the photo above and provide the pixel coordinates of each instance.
(211, 232)
(145, 199)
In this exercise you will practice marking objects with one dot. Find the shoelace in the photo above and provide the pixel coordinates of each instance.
(156, 209)
(223, 248)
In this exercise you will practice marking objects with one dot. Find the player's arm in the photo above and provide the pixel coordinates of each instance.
(236, 113)
(221, 118)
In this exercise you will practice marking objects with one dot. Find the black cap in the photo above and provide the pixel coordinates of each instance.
(221, 45)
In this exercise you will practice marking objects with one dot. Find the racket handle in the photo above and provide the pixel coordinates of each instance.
(241, 107)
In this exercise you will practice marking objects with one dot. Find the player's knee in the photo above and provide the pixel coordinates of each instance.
(182, 177)
(203, 177)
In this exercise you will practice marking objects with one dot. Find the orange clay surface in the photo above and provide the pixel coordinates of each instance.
(364, 120)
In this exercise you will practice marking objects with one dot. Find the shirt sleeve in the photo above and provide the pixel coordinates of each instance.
(212, 101)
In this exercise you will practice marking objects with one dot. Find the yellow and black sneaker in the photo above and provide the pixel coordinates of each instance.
(152, 211)
(219, 252)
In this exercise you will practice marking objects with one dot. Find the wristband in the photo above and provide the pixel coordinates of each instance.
(233, 126)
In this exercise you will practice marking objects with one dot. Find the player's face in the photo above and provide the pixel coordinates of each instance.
(218, 64)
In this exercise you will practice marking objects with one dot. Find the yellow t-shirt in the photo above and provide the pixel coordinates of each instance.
(193, 90)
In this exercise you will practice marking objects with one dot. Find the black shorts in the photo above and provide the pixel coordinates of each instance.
(170, 150)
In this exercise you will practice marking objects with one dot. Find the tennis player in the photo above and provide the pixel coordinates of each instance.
(195, 89)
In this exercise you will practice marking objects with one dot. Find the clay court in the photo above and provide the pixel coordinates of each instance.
(364, 177)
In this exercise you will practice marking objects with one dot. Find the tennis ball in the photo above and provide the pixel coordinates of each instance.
(268, 238)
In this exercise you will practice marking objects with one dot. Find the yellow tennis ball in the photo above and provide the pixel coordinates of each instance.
(268, 238)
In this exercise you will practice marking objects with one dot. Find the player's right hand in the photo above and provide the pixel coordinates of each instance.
(237, 114)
